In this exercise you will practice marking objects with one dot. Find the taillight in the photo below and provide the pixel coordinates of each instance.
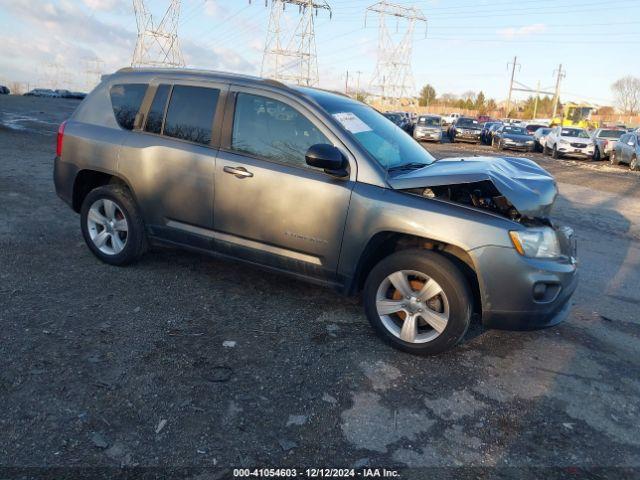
(60, 139)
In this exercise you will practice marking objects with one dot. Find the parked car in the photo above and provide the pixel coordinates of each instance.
(4, 90)
(512, 138)
(627, 150)
(40, 92)
(451, 118)
(400, 120)
(78, 95)
(465, 129)
(532, 127)
(428, 127)
(605, 140)
(569, 141)
(484, 133)
(321, 187)
(540, 138)
(492, 131)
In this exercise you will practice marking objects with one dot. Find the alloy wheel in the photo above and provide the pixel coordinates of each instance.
(107, 226)
(412, 306)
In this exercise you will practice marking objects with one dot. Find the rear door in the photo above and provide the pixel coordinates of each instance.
(171, 159)
(271, 207)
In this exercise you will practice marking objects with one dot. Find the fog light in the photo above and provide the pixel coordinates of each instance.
(539, 291)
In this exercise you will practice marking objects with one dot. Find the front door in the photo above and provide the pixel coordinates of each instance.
(270, 207)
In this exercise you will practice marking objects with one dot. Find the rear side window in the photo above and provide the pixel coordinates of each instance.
(190, 113)
(126, 100)
(156, 112)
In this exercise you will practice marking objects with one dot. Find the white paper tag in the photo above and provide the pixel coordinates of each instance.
(351, 122)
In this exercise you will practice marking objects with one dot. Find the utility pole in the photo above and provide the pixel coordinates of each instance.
(291, 55)
(358, 83)
(346, 84)
(535, 105)
(393, 78)
(513, 74)
(556, 95)
(157, 44)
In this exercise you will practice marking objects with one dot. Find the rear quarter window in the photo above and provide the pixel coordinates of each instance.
(125, 101)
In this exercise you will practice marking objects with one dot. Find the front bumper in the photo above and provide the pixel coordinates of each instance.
(519, 146)
(427, 135)
(510, 284)
(580, 152)
(467, 137)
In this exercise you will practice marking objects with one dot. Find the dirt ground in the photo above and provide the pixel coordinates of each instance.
(105, 367)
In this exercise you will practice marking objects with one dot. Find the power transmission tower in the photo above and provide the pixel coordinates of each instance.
(157, 44)
(290, 54)
(513, 64)
(393, 77)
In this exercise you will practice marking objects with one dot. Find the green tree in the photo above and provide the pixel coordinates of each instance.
(427, 96)
(480, 102)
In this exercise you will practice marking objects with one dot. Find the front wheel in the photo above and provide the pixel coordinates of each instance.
(596, 155)
(112, 225)
(555, 154)
(634, 165)
(418, 301)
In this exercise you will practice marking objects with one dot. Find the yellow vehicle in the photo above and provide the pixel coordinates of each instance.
(576, 115)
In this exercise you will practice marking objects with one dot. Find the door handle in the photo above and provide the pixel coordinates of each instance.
(239, 172)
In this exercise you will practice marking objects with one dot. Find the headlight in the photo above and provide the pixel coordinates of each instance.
(529, 142)
(536, 242)
(563, 142)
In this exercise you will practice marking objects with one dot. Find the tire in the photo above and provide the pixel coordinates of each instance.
(455, 299)
(597, 156)
(132, 242)
(555, 153)
(634, 164)
(613, 158)
(500, 145)
(545, 150)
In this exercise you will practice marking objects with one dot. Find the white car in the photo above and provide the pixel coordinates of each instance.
(540, 138)
(569, 141)
(452, 117)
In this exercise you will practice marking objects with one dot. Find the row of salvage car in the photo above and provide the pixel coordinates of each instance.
(618, 145)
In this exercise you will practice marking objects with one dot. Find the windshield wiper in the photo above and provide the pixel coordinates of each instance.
(407, 166)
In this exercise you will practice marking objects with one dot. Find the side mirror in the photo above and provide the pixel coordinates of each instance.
(327, 157)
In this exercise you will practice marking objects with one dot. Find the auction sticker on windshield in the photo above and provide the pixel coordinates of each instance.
(351, 122)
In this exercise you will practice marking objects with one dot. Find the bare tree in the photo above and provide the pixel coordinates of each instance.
(627, 94)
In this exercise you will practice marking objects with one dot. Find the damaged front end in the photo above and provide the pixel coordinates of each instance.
(515, 188)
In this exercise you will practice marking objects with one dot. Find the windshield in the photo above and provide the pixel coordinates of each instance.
(514, 130)
(467, 123)
(543, 131)
(429, 121)
(574, 132)
(387, 143)
(533, 128)
(610, 134)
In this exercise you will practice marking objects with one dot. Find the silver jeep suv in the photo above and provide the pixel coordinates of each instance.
(321, 187)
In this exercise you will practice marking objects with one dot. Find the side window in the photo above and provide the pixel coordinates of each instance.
(156, 112)
(126, 100)
(190, 113)
(273, 130)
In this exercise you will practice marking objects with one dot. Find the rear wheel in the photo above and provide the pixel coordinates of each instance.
(634, 165)
(112, 225)
(418, 301)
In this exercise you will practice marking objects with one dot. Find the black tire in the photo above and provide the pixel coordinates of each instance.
(596, 155)
(453, 284)
(136, 241)
(557, 155)
(545, 150)
(613, 158)
(500, 145)
(634, 164)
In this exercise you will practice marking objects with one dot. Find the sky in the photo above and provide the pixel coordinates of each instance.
(466, 45)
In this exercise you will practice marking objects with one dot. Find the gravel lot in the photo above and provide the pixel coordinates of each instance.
(109, 367)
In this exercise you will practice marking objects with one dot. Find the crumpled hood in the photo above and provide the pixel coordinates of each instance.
(529, 188)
